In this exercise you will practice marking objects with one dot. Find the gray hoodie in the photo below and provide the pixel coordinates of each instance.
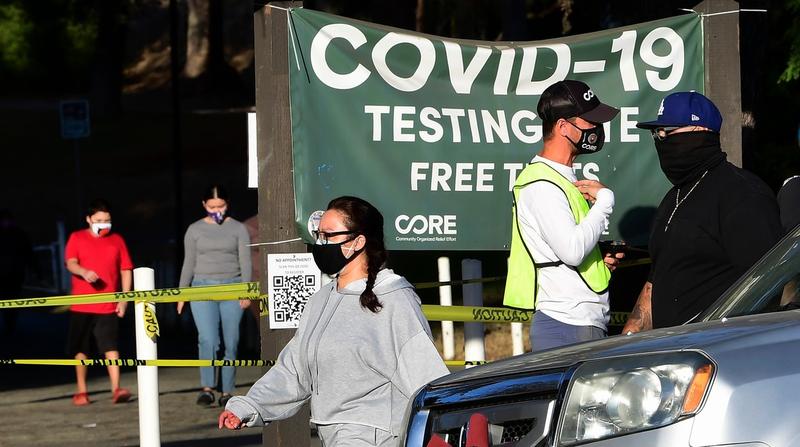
(356, 366)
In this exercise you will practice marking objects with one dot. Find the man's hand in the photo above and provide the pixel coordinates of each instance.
(180, 306)
(89, 276)
(121, 308)
(589, 189)
(612, 261)
(229, 421)
(244, 304)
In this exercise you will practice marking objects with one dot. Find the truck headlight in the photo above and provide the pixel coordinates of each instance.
(614, 397)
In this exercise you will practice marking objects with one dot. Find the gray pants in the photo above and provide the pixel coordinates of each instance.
(547, 333)
(354, 435)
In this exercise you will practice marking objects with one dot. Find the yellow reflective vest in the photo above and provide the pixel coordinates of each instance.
(521, 282)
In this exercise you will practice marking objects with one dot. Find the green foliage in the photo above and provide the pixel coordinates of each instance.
(15, 31)
(81, 37)
(792, 70)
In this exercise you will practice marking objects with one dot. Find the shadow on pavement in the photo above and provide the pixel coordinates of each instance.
(239, 441)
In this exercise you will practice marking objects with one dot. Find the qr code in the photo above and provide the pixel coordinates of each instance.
(290, 295)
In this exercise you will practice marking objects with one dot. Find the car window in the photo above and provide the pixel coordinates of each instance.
(772, 285)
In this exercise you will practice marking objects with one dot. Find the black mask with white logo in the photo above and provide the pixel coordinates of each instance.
(591, 140)
(685, 156)
(329, 257)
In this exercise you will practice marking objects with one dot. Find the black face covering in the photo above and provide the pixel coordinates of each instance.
(685, 156)
(591, 139)
(329, 257)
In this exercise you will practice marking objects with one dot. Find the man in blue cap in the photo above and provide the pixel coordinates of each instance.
(715, 222)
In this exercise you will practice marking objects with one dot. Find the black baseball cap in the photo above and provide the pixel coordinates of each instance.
(570, 98)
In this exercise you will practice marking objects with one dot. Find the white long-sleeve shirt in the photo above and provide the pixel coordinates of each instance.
(550, 232)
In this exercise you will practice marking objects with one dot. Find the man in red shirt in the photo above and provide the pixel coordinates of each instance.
(99, 263)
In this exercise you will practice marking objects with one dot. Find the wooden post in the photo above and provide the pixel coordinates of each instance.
(723, 76)
(275, 188)
(754, 31)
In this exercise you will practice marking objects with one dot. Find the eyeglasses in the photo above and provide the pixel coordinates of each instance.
(661, 133)
(323, 236)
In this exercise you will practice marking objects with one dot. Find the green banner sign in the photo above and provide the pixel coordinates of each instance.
(433, 131)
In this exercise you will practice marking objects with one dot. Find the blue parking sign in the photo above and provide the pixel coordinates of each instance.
(74, 119)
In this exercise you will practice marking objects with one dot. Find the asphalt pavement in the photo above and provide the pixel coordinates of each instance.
(36, 401)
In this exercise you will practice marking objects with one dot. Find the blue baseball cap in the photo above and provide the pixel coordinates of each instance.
(686, 109)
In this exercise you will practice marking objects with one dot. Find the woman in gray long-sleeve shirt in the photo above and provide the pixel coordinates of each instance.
(216, 252)
(363, 346)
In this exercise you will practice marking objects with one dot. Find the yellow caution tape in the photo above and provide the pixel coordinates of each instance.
(150, 321)
(175, 363)
(432, 285)
(221, 292)
(493, 314)
(251, 291)
(634, 263)
(135, 362)
(452, 363)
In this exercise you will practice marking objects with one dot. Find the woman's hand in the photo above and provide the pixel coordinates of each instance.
(229, 421)
(244, 304)
(180, 306)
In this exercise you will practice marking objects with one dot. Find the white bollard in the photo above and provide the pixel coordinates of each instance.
(517, 345)
(474, 347)
(146, 376)
(446, 299)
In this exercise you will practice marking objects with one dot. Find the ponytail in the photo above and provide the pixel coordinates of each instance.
(375, 261)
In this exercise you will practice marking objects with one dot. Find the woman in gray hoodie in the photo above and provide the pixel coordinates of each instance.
(363, 346)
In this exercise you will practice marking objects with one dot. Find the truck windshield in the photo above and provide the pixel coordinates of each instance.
(771, 285)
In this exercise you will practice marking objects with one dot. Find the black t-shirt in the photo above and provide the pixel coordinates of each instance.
(719, 231)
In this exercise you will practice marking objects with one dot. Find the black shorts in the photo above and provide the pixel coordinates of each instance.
(83, 327)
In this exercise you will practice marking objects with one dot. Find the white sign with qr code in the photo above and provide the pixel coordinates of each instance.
(293, 278)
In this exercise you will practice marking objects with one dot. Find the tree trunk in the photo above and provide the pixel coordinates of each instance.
(106, 77)
(197, 42)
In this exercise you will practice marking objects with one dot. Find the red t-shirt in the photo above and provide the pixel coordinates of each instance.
(106, 256)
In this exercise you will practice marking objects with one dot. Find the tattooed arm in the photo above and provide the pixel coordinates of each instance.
(641, 318)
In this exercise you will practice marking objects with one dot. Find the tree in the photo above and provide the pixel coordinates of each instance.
(197, 39)
(792, 70)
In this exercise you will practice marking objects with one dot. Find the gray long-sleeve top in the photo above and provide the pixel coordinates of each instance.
(213, 251)
(355, 366)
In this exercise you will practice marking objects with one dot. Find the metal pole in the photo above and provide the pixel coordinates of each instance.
(446, 299)
(517, 344)
(146, 376)
(64, 280)
(78, 188)
(177, 145)
(474, 348)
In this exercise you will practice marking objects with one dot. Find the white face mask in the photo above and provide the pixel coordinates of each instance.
(102, 228)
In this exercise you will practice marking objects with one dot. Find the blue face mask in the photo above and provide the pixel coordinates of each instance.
(218, 217)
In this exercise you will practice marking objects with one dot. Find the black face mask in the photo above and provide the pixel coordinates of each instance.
(329, 257)
(591, 139)
(685, 156)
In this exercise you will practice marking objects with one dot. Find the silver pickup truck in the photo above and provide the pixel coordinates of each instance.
(731, 377)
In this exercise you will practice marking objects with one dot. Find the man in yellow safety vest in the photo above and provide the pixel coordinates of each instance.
(555, 265)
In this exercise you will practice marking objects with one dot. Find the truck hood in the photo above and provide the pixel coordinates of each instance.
(707, 336)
